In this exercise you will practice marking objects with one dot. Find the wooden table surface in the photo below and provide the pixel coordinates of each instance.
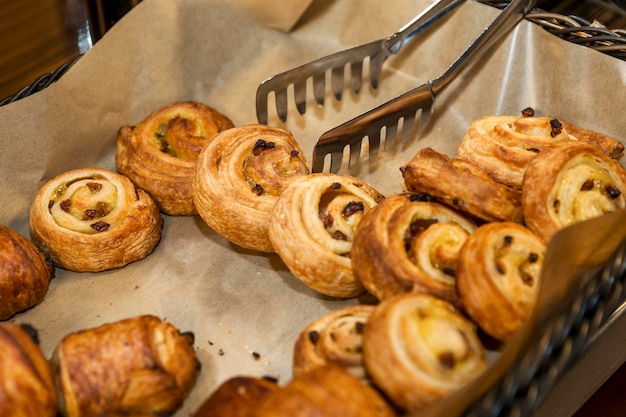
(38, 36)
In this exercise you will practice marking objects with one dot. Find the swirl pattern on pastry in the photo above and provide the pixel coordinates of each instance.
(239, 177)
(498, 276)
(92, 219)
(335, 338)
(313, 226)
(503, 146)
(410, 243)
(26, 378)
(136, 366)
(568, 184)
(159, 154)
(25, 273)
(462, 186)
(418, 348)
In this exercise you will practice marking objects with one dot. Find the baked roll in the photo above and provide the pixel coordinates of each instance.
(92, 219)
(335, 338)
(139, 366)
(324, 391)
(312, 229)
(25, 273)
(418, 348)
(238, 178)
(236, 397)
(26, 379)
(462, 186)
(568, 184)
(503, 146)
(498, 276)
(159, 154)
(410, 243)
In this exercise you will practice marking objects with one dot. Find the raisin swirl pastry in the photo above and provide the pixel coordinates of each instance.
(238, 178)
(570, 183)
(461, 185)
(93, 219)
(335, 338)
(503, 146)
(312, 229)
(25, 273)
(418, 348)
(498, 276)
(159, 154)
(410, 243)
(137, 366)
(26, 378)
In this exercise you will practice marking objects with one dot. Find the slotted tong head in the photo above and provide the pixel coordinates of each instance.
(350, 136)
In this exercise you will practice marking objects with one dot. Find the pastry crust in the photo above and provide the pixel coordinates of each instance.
(26, 379)
(313, 226)
(503, 146)
(568, 184)
(236, 397)
(25, 273)
(137, 366)
(498, 276)
(335, 338)
(92, 219)
(159, 154)
(462, 186)
(418, 349)
(238, 178)
(410, 243)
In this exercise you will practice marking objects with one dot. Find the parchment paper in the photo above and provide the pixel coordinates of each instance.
(235, 301)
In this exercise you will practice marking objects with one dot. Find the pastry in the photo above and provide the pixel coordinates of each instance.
(335, 338)
(312, 228)
(139, 366)
(238, 178)
(410, 243)
(503, 146)
(328, 391)
(159, 154)
(25, 273)
(26, 379)
(236, 397)
(462, 186)
(498, 276)
(92, 219)
(568, 184)
(418, 348)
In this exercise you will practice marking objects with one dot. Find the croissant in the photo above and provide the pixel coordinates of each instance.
(26, 379)
(238, 178)
(93, 219)
(25, 273)
(312, 228)
(410, 243)
(139, 366)
(236, 397)
(159, 154)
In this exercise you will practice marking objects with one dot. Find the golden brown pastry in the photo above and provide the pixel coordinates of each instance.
(159, 154)
(140, 366)
(236, 397)
(410, 243)
(418, 348)
(503, 146)
(335, 338)
(328, 391)
(312, 228)
(498, 276)
(26, 379)
(462, 186)
(92, 219)
(568, 184)
(25, 273)
(238, 178)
